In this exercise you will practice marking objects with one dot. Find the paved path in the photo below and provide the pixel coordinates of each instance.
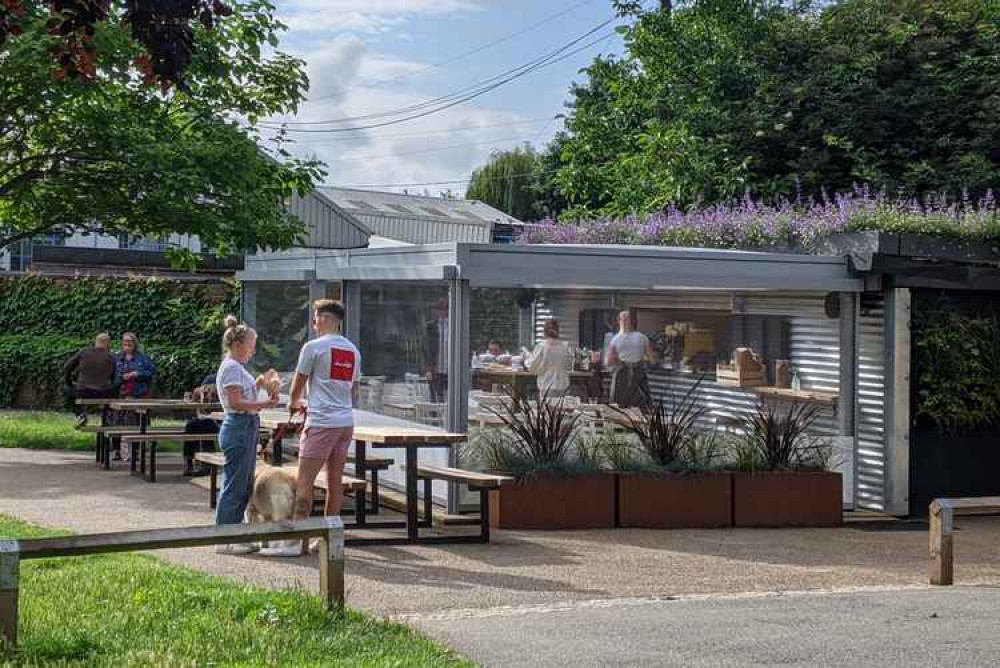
(931, 627)
(518, 569)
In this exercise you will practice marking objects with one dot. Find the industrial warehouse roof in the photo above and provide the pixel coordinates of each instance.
(420, 219)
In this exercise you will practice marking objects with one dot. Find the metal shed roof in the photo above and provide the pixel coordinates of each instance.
(567, 266)
(419, 219)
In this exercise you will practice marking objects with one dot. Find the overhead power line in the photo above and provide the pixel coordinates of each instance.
(431, 133)
(466, 54)
(443, 102)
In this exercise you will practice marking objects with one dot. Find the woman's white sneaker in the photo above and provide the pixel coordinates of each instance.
(236, 548)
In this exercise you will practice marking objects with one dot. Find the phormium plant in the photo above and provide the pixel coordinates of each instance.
(667, 429)
(778, 438)
(540, 439)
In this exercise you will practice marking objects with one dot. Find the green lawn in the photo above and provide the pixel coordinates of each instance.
(135, 610)
(52, 430)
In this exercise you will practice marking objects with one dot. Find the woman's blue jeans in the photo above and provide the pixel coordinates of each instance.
(238, 440)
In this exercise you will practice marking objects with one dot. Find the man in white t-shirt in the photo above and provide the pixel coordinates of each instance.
(627, 356)
(330, 365)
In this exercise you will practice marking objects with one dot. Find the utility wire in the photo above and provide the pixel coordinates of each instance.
(446, 102)
(466, 54)
(450, 131)
(434, 149)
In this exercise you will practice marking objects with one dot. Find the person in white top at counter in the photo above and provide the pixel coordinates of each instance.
(551, 363)
(627, 357)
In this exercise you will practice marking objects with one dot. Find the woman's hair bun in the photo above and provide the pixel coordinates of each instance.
(231, 321)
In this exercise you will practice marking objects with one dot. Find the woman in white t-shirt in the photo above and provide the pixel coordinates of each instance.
(550, 362)
(238, 435)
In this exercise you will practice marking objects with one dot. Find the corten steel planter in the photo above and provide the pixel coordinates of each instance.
(675, 500)
(787, 499)
(554, 502)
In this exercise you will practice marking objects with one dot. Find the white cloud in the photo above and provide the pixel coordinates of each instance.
(366, 16)
(349, 78)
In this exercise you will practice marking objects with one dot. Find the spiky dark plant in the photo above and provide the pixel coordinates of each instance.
(540, 439)
(778, 439)
(667, 428)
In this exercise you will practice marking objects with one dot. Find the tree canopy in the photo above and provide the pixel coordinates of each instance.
(717, 98)
(109, 153)
(507, 181)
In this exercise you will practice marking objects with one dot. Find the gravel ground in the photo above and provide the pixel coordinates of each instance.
(62, 489)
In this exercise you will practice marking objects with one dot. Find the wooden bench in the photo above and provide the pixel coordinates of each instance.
(104, 434)
(147, 443)
(372, 465)
(942, 516)
(12, 552)
(480, 482)
(216, 461)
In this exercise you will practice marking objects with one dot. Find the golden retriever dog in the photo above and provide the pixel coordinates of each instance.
(273, 500)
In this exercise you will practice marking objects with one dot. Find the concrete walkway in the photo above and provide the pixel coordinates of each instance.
(517, 571)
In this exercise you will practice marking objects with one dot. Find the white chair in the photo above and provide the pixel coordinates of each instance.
(430, 414)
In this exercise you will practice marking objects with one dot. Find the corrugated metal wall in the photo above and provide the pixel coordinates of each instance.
(327, 226)
(415, 230)
(871, 433)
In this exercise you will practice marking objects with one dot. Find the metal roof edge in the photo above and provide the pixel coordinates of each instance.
(360, 226)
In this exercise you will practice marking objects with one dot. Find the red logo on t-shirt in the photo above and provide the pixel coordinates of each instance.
(341, 364)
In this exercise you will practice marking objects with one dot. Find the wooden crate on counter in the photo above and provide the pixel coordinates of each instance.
(734, 376)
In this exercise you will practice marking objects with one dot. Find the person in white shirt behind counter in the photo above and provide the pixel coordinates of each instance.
(627, 357)
(551, 363)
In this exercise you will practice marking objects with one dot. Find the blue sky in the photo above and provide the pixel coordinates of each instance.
(370, 56)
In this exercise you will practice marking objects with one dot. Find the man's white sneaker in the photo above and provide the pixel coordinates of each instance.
(236, 548)
(292, 549)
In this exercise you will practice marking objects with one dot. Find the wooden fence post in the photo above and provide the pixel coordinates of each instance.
(331, 563)
(942, 520)
(10, 575)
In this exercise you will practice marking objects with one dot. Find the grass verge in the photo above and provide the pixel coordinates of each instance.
(135, 610)
(52, 430)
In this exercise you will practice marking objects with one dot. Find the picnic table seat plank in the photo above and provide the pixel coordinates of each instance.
(479, 482)
(471, 478)
(217, 460)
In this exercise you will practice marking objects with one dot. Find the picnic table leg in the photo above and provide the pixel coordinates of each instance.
(213, 487)
(428, 502)
(412, 532)
(152, 461)
(276, 455)
(375, 500)
(359, 470)
(484, 514)
(10, 574)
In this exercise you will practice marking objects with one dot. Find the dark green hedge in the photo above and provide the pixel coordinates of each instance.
(38, 361)
(44, 320)
(157, 310)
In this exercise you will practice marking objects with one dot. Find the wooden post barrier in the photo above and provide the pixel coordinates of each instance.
(329, 529)
(942, 529)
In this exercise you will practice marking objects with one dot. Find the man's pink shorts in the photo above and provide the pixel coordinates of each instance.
(324, 442)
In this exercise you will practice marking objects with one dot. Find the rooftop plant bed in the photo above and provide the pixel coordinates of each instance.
(799, 226)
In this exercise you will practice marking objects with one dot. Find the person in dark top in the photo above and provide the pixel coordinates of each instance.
(134, 371)
(202, 424)
(436, 352)
(89, 374)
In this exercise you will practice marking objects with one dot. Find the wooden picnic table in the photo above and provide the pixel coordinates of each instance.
(143, 407)
(520, 381)
(410, 439)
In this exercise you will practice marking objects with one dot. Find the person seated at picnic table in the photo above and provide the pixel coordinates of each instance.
(90, 374)
(200, 424)
(134, 373)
